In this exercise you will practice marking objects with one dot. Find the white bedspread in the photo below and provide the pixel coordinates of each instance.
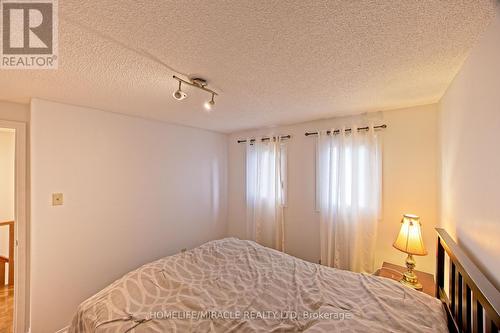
(231, 285)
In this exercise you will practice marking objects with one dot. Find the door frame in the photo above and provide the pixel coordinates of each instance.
(21, 228)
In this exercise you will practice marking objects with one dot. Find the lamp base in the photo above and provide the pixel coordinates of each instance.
(412, 283)
(409, 278)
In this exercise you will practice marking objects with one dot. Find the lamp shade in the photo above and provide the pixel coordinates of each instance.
(410, 236)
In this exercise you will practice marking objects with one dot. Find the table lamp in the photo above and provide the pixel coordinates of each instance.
(410, 241)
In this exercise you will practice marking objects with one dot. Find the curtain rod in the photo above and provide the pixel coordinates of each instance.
(347, 130)
(267, 138)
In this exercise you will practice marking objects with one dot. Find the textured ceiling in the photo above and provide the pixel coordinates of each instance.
(274, 62)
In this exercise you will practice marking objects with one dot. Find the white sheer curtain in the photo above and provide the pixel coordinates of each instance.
(349, 179)
(266, 192)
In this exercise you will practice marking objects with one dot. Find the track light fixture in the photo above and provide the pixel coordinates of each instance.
(197, 83)
(179, 94)
(210, 104)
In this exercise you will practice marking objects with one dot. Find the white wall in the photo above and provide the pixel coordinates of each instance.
(470, 156)
(409, 184)
(134, 191)
(7, 154)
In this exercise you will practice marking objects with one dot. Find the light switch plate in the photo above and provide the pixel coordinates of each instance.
(57, 199)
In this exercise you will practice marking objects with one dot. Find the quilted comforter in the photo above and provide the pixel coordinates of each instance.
(231, 285)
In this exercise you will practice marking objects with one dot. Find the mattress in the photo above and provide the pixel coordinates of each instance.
(232, 285)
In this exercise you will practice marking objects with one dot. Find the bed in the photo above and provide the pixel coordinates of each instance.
(233, 285)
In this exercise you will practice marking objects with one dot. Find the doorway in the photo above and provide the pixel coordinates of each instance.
(7, 224)
(13, 227)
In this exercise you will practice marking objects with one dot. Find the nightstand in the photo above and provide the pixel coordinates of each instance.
(395, 272)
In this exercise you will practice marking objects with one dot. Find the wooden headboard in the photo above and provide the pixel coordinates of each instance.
(474, 303)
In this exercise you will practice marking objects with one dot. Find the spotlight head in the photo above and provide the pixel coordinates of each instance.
(209, 104)
(179, 95)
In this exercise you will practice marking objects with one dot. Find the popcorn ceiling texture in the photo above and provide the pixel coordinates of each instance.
(274, 62)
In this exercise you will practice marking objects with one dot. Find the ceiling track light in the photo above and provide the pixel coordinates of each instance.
(209, 104)
(179, 94)
(197, 83)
